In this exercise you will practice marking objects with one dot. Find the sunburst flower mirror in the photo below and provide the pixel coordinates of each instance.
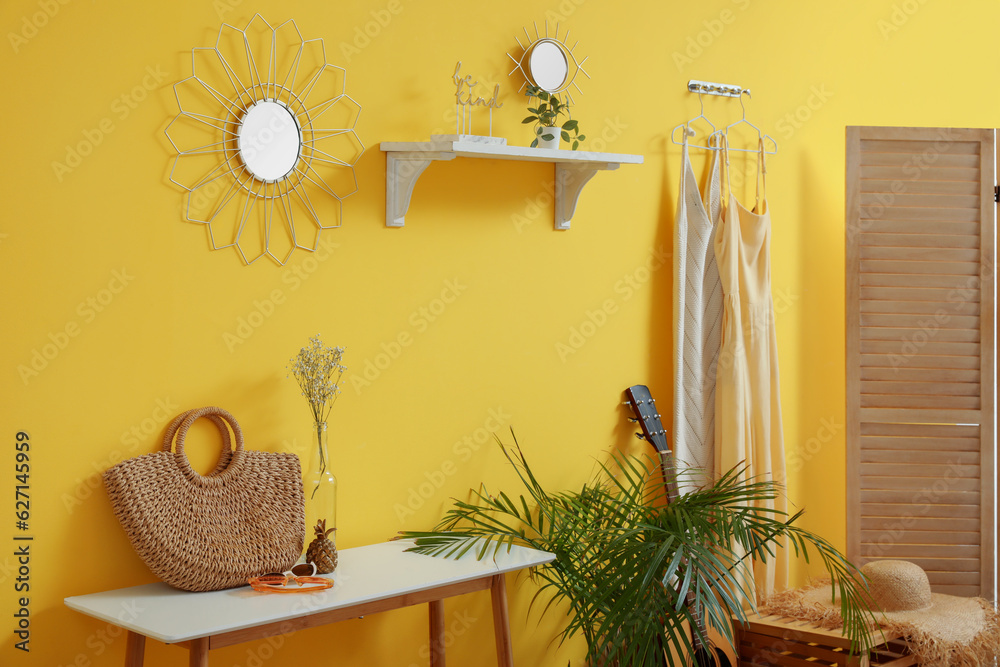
(265, 141)
(547, 61)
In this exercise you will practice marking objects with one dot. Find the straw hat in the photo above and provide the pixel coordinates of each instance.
(942, 630)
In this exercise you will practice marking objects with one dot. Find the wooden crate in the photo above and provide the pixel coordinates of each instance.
(774, 641)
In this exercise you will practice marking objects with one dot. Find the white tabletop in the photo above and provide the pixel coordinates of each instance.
(364, 574)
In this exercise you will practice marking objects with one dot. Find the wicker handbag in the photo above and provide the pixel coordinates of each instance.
(244, 519)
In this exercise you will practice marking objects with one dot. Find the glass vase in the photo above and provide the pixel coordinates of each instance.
(320, 486)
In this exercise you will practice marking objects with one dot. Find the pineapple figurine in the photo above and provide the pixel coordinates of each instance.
(321, 550)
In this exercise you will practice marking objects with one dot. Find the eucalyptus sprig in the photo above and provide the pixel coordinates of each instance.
(318, 370)
(547, 113)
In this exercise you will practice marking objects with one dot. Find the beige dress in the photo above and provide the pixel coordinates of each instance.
(697, 321)
(748, 405)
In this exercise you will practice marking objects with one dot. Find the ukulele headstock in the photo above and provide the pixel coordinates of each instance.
(643, 406)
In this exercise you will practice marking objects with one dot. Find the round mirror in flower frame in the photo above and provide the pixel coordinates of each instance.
(265, 140)
(546, 61)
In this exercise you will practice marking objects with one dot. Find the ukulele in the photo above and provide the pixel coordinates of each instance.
(644, 407)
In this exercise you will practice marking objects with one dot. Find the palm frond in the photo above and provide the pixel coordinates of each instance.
(628, 564)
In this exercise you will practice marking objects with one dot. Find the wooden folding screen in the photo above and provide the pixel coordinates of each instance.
(920, 352)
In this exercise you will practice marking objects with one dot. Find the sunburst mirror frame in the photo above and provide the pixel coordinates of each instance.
(252, 152)
(548, 61)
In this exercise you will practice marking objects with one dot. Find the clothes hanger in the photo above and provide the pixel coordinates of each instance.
(685, 128)
(760, 135)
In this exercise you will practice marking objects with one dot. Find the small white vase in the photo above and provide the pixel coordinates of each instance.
(550, 143)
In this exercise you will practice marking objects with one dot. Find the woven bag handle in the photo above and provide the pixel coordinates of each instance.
(227, 442)
(168, 436)
(220, 418)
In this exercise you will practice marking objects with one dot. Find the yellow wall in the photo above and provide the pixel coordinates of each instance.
(813, 68)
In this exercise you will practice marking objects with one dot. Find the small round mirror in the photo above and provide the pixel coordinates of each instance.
(269, 141)
(548, 66)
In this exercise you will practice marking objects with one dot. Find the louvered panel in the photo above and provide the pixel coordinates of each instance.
(958, 307)
(931, 201)
(882, 226)
(897, 212)
(923, 240)
(896, 187)
(952, 483)
(921, 254)
(923, 322)
(926, 344)
(933, 441)
(920, 388)
(944, 551)
(933, 511)
(920, 382)
(904, 159)
(908, 267)
(891, 333)
(911, 498)
(920, 374)
(929, 174)
(908, 416)
(959, 432)
(916, 360)
(912, 470)
(928, 458)
(942, 402)
(921, 536)
(918, 294)
(919, 524)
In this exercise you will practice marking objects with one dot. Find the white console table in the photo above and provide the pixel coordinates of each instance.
(369, 579)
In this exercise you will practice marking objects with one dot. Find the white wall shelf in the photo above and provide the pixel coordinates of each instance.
(407, 160)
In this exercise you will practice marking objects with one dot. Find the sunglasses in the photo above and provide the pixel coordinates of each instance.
(303, 575)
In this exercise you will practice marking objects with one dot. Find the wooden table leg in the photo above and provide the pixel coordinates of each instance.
(135, 649)
(199, 652)
(437, 632)
(501, 623)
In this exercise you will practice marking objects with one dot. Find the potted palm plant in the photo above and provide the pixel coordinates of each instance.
(628, 563)
(546, 113)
